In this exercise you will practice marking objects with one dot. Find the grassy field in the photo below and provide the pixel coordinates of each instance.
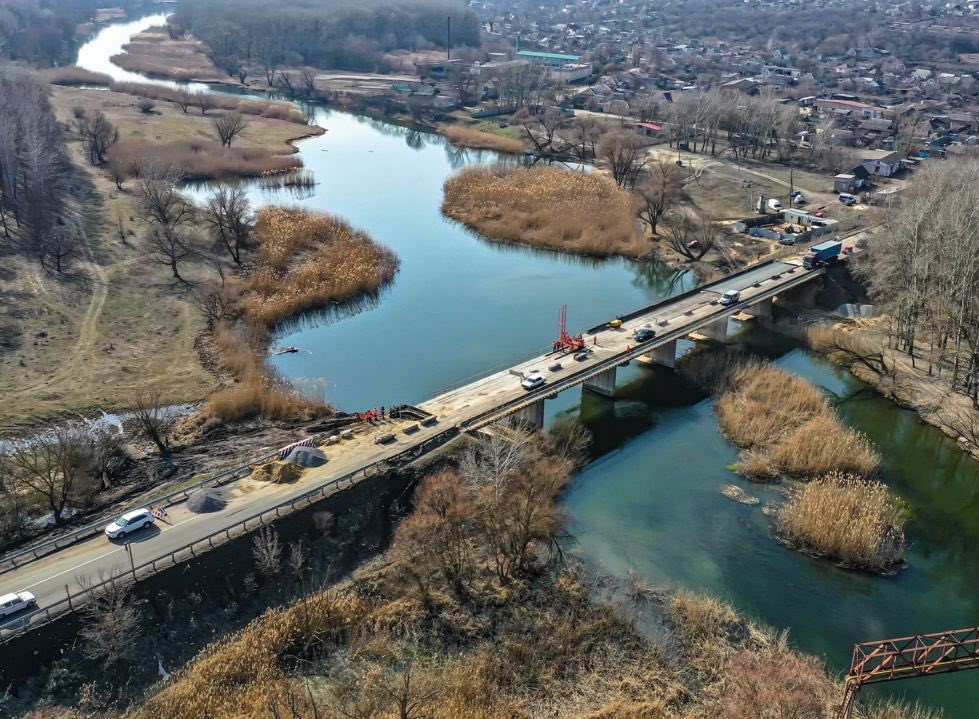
(116, 325)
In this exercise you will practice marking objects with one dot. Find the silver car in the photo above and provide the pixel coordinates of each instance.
(15, 602)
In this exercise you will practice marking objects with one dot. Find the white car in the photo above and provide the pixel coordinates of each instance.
(129, 522)
(532, 380)
(15, 602)
(730, 297)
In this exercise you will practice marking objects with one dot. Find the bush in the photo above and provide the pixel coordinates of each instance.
(204, 159)
(846, 518)
(273, 110)
(547, 207)
(74, 75)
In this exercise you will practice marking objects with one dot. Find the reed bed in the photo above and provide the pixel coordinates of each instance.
(478, 140)
(582, 213)
(200, 159)
(272, 110)
(306, 261)
(785, 426)
(847, 518)
(74, 75)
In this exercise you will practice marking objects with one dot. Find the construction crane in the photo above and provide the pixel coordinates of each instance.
(565, 342)
(920, 655)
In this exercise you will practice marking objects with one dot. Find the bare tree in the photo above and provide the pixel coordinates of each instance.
(692, 238)
(204, 101)
(230, 218)
(98, 135)
(267, 551)
(624, 155)
(111, 625)
(153, 420)
(53, 468)
(659, 192)
(184, 99)
(584, 137)
(218, 302)
(540, 127)
(229, 126)
(170, 246)
(159, 199)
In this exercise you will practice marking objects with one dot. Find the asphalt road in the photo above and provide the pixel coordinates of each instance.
(86, 562)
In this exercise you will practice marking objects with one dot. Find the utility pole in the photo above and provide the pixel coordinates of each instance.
(791, 184)
(448, 37)
(132, 563)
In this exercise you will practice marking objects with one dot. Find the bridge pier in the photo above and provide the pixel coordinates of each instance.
(532, 415)
(762, 310)
(716, 330)
(665, 355)
(602, 384)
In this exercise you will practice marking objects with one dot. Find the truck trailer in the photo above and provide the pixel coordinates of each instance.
(821, 254)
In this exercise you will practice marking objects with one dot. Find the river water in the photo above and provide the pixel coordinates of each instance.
(650, 500)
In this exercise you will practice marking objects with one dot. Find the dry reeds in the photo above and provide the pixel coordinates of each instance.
(74, 75)
(203, 159)
(478, 140)
(273, 110)
(583, 213)
(307, 261)
(846, 518)
(785, 426)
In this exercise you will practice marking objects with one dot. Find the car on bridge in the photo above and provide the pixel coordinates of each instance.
(644, 334)
(16, 602)
(129, 523)
(532, 380)
(730, 297)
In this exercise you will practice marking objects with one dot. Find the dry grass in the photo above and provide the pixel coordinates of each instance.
(846, 518)
(152, 52)
(200, 159)
(73, 75)
(478, 140)
(273, 110)
(307, 261)
(785, 426)
(583, 213)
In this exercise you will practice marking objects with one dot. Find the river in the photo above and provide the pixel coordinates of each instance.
(650, 500)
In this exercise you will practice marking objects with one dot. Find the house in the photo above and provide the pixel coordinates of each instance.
(649, 129)
(848, 107)
(844, 183)
(743, 86)
(551, 59)
(881, 162)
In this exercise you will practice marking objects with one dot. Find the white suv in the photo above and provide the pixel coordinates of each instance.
(129, 522)
(14, 602)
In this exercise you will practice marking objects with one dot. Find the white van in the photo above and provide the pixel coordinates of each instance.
(847, 199)
(730, 297)
(774, 205)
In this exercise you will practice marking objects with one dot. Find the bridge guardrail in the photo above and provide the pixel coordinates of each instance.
(40, 617)
(37, 551)
(515, 405)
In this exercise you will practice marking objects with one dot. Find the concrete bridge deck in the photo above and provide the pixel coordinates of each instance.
(470, 407)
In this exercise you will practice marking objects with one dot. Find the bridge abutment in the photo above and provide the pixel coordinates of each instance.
(602, 384)
(716, 330)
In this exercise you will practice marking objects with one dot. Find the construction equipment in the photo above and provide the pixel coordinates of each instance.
(920, 655)
(565, 342)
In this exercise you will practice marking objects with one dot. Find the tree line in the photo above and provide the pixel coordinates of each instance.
(39, 216)
(923, 274)
(248, 34)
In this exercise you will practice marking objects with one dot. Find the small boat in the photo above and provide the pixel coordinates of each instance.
(285, 350)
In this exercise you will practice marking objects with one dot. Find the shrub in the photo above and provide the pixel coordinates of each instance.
(847, 518)
(273, 110)
(547, 207)
(775, 683)
(74, 75)
(205, 159)
(476, 139)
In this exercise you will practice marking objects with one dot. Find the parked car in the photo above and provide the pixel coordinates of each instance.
(16, 602)
(847, 199)
(129, 523)
(730, 297)
(532, 380)
(644, 334)
(798, 198)
(774, 205)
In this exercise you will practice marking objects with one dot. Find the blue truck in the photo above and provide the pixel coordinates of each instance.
(822, 254)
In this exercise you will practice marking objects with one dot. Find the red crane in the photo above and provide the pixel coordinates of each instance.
(565, 342)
